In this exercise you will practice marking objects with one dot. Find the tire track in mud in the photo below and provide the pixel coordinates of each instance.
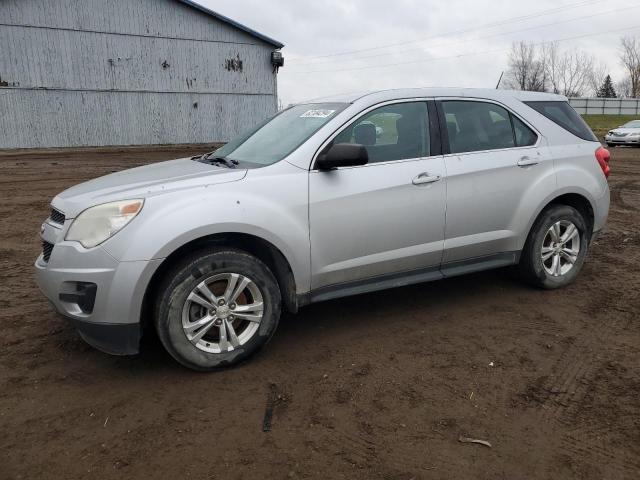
(577, 361)
(575, 372)
(587, 444)
(390, 451)
(575, 366)
(589, 414)
(626, 196)
(351, 435)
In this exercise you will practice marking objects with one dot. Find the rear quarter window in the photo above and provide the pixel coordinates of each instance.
(562, 114)
(525, 137)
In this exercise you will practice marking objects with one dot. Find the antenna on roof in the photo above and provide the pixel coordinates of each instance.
(499, 80)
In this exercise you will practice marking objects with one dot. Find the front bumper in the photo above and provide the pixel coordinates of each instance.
(112, 338)
(614, 140)
(102, 297)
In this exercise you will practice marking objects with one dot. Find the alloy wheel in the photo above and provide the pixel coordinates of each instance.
(560, 248)
(222, 312)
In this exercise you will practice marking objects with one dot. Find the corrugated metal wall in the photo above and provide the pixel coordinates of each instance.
(606, 106)
(126, 72)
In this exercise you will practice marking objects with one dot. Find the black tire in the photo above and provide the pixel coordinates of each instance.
(180, 282)
(531, 266)
(610, 145)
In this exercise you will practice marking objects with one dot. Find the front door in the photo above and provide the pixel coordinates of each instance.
(384, 220)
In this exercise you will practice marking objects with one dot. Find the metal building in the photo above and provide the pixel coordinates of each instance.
(129, 72)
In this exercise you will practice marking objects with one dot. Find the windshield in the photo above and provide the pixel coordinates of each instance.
(274, 139)
(632, 124)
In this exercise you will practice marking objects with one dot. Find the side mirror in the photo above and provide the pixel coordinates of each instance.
(342, 155)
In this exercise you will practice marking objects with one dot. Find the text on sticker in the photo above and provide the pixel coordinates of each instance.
(317, 114)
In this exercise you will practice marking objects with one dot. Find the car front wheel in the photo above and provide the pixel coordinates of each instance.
(556, 248)
(217, 308)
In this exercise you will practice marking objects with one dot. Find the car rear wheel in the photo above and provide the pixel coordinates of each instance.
(217, 308)
(556, 248)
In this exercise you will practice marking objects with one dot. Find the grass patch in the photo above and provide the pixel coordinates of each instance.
(601, 124)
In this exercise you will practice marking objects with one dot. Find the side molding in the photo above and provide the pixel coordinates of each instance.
(411, 277)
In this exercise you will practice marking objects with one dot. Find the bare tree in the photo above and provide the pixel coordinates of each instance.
(568, 73)
(623, 88)
(526, 71)
(630, 57)
(597, 78)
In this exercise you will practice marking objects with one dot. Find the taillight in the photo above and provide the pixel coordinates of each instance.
(603, 156)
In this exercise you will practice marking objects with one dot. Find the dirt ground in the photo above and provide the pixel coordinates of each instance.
(379, 386)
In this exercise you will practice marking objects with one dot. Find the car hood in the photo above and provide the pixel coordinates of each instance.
(618, 131)
(142, 182)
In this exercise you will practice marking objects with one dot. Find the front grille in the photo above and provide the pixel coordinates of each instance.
(46, 250)
(620, 134)
(57, 216)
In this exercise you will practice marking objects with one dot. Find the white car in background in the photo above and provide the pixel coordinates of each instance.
(627, 134)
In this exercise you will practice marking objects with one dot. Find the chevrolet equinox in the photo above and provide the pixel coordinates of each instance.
(326, 199)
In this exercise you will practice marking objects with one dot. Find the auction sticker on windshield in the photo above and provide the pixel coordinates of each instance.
(317, 113)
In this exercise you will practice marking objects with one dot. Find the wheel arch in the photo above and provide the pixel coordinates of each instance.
(573, 199)
(262, 249)
(580, 203)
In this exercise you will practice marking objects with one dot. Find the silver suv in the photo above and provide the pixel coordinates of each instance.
(326, 199)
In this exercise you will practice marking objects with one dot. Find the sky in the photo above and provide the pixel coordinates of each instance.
(343, 46)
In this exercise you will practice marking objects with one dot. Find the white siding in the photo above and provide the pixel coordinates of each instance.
(126, 72)
(166, 18)
(62, 118)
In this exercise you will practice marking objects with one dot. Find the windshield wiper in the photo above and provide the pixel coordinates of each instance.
(227, 162)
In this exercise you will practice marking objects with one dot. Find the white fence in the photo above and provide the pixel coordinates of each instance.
(606, 106)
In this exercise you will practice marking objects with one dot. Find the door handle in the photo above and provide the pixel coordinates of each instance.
(424, 178)
(527, 162)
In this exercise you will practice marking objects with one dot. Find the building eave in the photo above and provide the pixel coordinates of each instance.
(233, 23)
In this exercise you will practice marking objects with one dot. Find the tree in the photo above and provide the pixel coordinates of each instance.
(597, 78)
(571, 73)
(606, 90)
(525, 71)
(568, 73)
(630, 58)
(623, 88)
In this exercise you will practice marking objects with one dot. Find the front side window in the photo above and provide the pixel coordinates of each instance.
(393, 132)
(274, 139)
(475, 126)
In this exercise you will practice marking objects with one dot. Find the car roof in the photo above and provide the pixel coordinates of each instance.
(394, 94)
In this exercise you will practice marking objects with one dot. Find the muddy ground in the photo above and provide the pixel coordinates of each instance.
(379, 386)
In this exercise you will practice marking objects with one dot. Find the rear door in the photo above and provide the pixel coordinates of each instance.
(492, 158)
(386, 217)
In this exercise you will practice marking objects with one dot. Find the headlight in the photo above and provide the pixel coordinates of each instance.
(97, 224)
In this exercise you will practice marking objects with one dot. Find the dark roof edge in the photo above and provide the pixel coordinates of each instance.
(222, 18)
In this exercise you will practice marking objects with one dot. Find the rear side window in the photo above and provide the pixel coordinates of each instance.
(475, 126)
(564, 115)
